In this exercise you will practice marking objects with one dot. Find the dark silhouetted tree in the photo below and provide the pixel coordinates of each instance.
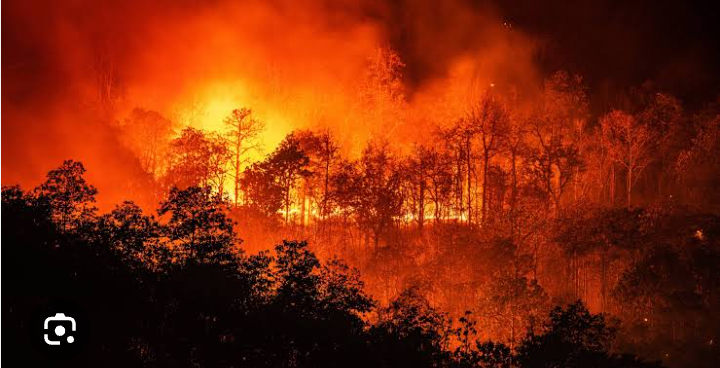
(199, 225)
(573, 337)
(133, 234)
(70, 197)
(379, 199)
(263, 194)
(288, 163)
(490, 118)
(414, 331)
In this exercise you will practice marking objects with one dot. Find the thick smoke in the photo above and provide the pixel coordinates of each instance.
(74, 69)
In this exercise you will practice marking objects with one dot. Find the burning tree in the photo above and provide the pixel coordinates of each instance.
(460, 139)
(243, 133)
(418, 167)
(440, 180)
(288, 164)
(323, 152)
(147, 134)
(490, 118)
(382, 93)
(379, 200)
(197, 159)
(628, 142)
(557, 127)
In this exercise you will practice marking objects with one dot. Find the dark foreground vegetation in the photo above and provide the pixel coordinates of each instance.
(177, 292)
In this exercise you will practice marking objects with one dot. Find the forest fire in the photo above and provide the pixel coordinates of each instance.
(364, 183)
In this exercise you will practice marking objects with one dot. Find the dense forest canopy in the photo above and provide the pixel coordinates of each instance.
(451, 184)
(178, 291)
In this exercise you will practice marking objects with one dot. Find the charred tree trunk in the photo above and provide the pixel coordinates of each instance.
(629, 186)
(468, 146)
(513, 195)
(237, 173)
(612, 185)
(302, 206)
(483, 211)
(287, 205)
(421, 205)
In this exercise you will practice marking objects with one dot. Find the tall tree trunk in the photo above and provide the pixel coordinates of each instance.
(629, 186)
(421, 206)
(469, 180)
(612, 185)
(603, 279)
(459, 190)
(287, 205)
(513, 195)
(238, 147)
(302, 206)
(551, 196)
(327, 185)
(483, 211)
